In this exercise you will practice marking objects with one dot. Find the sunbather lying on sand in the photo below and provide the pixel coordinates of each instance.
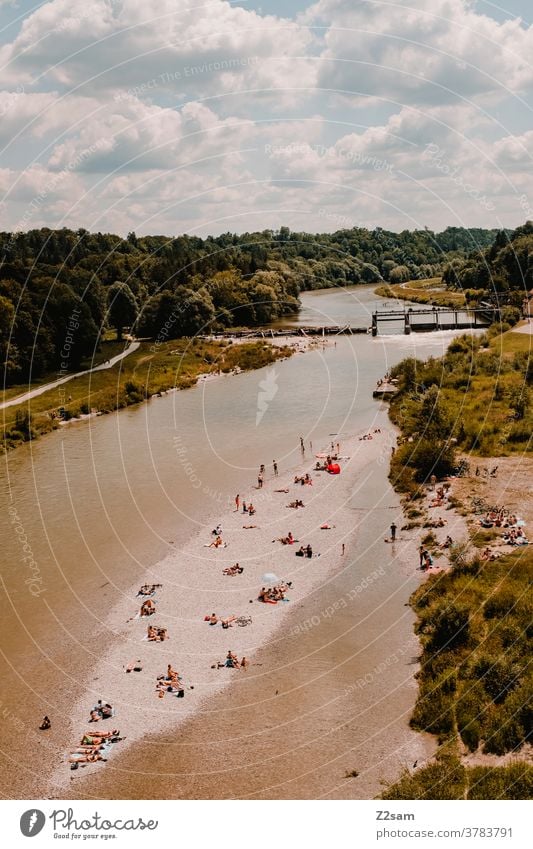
(217, 543)
(281, 490)
(296, 504)
(233, 570)
(249, 527)
(149, 589)
(288, 540)
(87, 758)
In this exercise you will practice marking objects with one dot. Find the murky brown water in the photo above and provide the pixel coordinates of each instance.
(100, 502)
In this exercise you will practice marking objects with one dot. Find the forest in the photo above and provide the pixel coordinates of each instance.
(61, 290)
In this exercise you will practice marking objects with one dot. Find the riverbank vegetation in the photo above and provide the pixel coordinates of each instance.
(475, 619)
(431, 292)
(147, 372)
(475, 399)
(61, 289)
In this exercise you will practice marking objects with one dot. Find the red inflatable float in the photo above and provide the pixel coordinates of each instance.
(334, 469)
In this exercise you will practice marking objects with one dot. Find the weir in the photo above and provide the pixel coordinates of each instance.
(437, 318)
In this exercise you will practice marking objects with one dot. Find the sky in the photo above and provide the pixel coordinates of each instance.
(205, 116)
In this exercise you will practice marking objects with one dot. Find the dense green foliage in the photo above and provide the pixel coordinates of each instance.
(185, 285)
(475, 623)
(476, 398)
(501, 274)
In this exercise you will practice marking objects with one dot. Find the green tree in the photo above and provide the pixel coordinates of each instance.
(123, 308)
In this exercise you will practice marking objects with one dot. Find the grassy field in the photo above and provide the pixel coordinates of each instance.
(108, 349)
(427, 291)
(146, 372)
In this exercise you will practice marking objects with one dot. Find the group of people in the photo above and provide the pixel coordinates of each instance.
(295, 504)
(101, 711)
(93, 747)
(169, 683)
(156, 635)
(304, 551)
(271, 595)
(147, 607)
(304, 479)
(515, 536)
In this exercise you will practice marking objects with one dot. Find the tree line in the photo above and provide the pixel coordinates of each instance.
(59, 286)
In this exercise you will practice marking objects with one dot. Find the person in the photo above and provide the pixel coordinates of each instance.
(275, 467)
(302, 446)
(262, 469)
(244, 507)
(393, 531)
(251, 509)
(106, 711)
(244, 663)
(421, 551)
(259, 481)
(45, 724)
(343, 549)
(237, 503)
(147, 607)
(217, 531)
(309, 551)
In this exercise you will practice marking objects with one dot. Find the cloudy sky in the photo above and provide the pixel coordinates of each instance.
(203, 116)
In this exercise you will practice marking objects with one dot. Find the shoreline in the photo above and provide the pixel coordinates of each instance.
(226, 595)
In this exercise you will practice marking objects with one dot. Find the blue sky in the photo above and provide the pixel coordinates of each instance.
(178, 116)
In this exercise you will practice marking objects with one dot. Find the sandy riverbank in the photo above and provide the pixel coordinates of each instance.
(194, 586)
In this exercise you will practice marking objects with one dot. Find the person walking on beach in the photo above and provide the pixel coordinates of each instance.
(237, 503)
(342, 552)
(393, 531)
(262, 469)
(302, 446)
(275, 467)
(260, 481)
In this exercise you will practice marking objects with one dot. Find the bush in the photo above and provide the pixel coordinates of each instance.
(444, 779)
(500, 604)
(434, 711)
(510, 782)
(452, 627)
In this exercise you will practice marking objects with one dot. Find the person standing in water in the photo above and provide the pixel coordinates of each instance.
(393, 532)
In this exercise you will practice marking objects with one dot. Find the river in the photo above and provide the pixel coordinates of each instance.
(90, 508)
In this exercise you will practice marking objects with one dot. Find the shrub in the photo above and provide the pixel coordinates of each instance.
(510, 782)
(451, 627)
(500, 604)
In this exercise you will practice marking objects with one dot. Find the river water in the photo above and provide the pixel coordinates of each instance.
(92, 507)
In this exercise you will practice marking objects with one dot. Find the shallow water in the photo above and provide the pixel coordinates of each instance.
(94, 506)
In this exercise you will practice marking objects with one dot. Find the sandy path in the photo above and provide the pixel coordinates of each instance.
(193, 586)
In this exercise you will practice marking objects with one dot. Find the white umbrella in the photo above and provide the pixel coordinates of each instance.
(269, 578)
